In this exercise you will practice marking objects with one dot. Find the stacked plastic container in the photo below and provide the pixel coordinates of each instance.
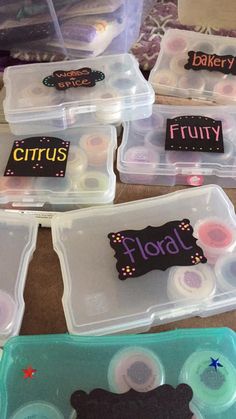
(65, 102)
(54, 29)
(196, 65)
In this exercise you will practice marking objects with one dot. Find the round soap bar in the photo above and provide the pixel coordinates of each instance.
(225, 90)
(16, 184)
(204, 46)
(212, 378)
(123, 84)
(191, 82)
(143, 126)
(108, 103)
(92, 181)
(38, 410)
(120, 67)
(156, 139)
(77, 161)
(135, 368)
(176, 44)
(215, 236)
(143, 157)
(177, 64)
(164, 79)
(227, 50)
(36, 94)
(173, 157)
(7, 311)
(191, 282)
(95, 146)
(225, 270)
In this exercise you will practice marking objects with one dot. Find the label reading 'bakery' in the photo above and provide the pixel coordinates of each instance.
(194, 133)
(199, 60)
(83, 77)
(141, 251)
(38, 157)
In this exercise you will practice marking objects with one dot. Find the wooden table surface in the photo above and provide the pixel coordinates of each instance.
(44, 286)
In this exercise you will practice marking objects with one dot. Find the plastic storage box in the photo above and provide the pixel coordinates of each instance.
(18, 236)
(34, 176)
(49, 96)
(47, 29)
(121, 274)
(187, 374)
(195, 65)
(193, 138)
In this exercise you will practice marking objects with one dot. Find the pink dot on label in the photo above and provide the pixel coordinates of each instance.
(192, 279)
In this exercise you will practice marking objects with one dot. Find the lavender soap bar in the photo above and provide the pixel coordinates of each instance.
(196, 65)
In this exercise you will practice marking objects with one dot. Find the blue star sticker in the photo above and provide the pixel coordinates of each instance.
(215, 363)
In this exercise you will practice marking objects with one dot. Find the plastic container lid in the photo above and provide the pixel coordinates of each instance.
(76, 375)
(107, 294)
(89, 177)
(174, 144)
(193, 65)
(41, 97)
(18, 234)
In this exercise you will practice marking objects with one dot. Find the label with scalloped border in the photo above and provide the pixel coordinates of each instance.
(65, 79)
(38, 157)
(141, 251)
(194, 133)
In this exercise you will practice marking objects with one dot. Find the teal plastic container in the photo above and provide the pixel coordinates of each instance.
(41, 375)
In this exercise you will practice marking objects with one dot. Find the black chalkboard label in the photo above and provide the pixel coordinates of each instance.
(140, 251)
(38, 156)
(194, 133)
(199, 60)
(65, 79)
(163, 402)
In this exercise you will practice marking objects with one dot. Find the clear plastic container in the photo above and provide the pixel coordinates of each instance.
(89, 177)
(96, 301)
(210, 75)
(143, 159)
(18, 234)
(70, 28)
(58, 376)
(52, 96)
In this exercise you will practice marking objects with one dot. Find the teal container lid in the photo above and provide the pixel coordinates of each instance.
(212, 378)
(37, 410)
